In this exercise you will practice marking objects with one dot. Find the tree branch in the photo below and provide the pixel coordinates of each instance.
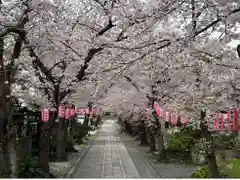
(19, 28)
(72, 49)
(37, 64)
(58, 63)
(216, 21)
(87, 59)
(133, 84)
(238, 50)
(106, 28)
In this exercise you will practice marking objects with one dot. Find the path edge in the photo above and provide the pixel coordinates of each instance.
(73, 168)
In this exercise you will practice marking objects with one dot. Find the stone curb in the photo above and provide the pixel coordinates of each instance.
(73, 168)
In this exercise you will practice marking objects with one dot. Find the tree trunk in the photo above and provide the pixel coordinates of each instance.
(86, 121)
(211, 157)
(7, 130)
(61, 143)
(43, 155)
(70, 146)
(6, 171)
(152, 140)
(160, 143)
(12, 157)
(211, 154)
(142, 135)
(44, 146)
(212, 164)
(46, 133)
(98, 120)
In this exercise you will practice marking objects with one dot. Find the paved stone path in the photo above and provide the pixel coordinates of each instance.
(107, 158)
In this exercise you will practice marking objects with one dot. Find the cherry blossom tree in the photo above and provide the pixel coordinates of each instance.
(14, 17)
(68, 42)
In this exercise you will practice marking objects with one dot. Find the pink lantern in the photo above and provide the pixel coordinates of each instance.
(87, 111)
(68, 114)
(73, 112)
(61, 111)
(216, 121)
(45, 115)
(157, 109)
(174, 118)
(229, 119)
(167, 116)
(236, 116)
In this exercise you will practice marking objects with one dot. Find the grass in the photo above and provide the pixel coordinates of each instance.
(231, 168)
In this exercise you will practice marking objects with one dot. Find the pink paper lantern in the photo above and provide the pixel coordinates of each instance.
(157, 109)
(73, 112)
(45, 115)
(216, 121)
(87, 111)
(68, 114)
(174, 118)
(167, 116)
(236, 119)
(61, 111)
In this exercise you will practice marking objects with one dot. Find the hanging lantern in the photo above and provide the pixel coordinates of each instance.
(73, 112)
(216, 121)
(167, 116)
(45, 115)
(68, 114)
(236, 118)
(61, 111)
(157, 110)
(87, 111)
(174, 118)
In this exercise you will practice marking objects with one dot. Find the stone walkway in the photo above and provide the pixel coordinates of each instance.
(109, 158)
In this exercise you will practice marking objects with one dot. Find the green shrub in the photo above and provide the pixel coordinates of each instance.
(180, 143)
(80, 132)
(202, 172)
(29, 168)
(69, 144)
(224, 141)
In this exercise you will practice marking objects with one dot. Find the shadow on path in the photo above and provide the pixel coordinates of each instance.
(144, 161)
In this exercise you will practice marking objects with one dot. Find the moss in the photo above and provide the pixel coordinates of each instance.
(228, 169)
(231, 169)
(202, 172)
